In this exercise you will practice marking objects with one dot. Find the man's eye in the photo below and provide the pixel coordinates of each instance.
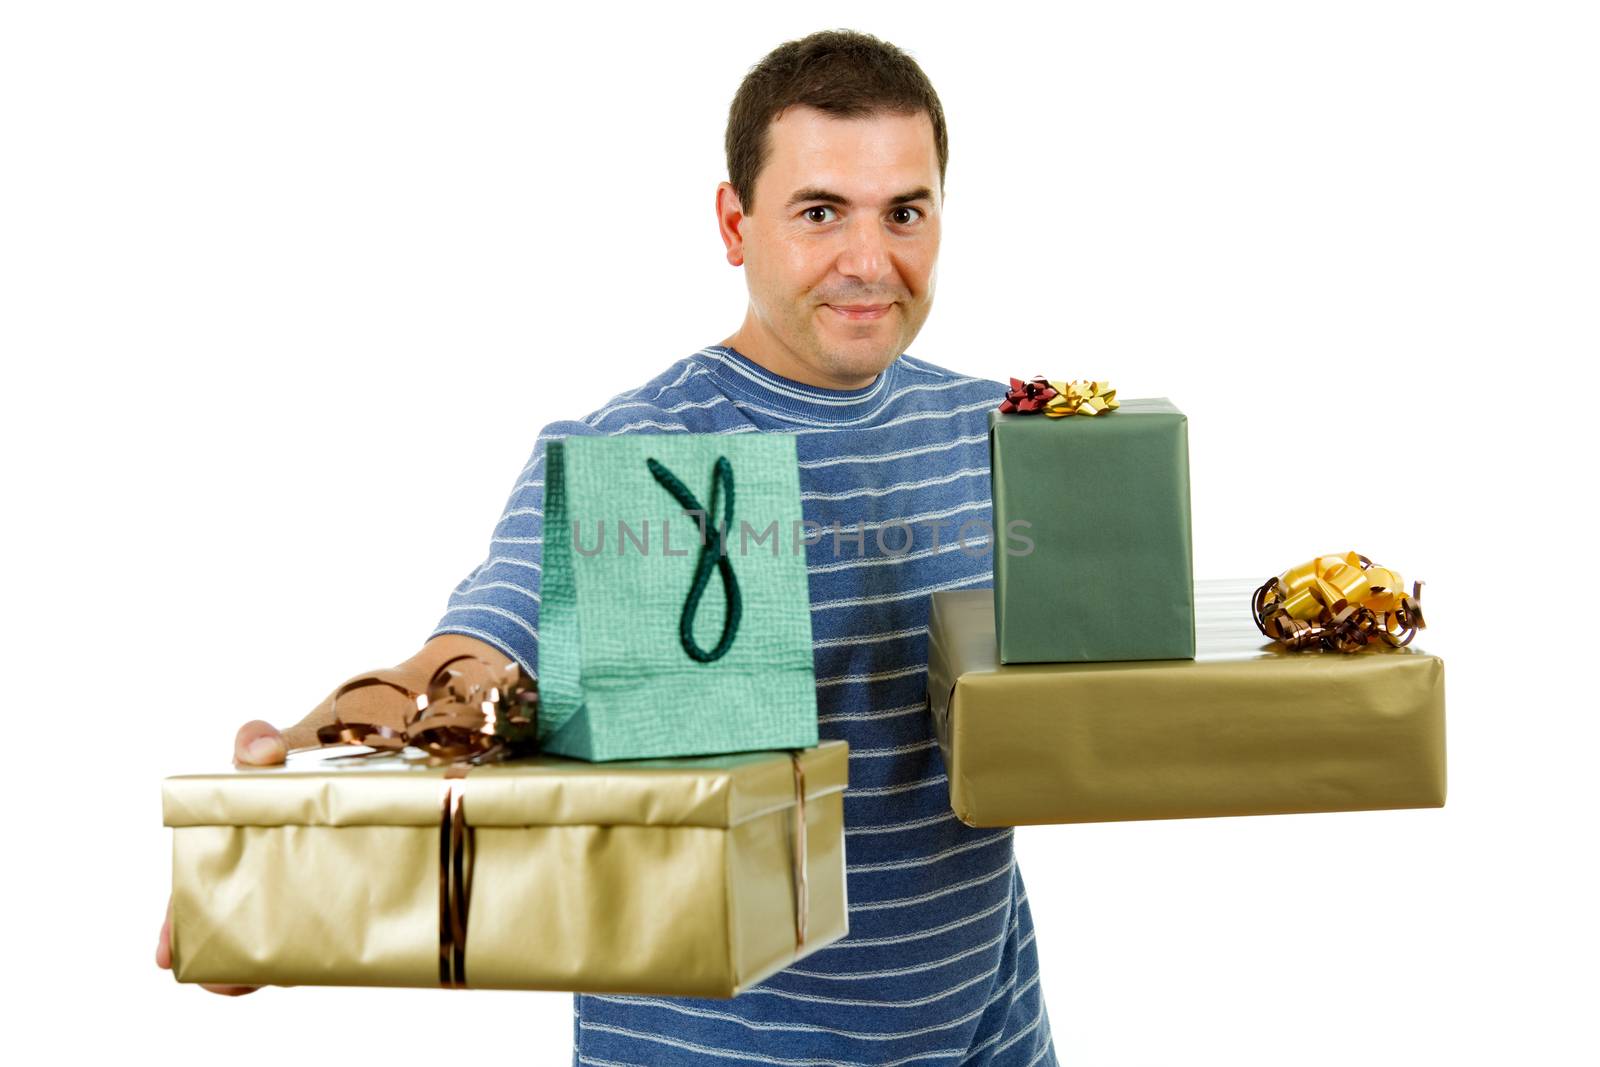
(895, 214)
(812, 210)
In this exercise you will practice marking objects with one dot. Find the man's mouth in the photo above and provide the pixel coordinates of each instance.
(861, 311)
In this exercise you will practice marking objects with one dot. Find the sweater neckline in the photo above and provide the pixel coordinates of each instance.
(797, 400)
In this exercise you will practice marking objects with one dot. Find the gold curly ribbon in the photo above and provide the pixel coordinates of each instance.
(1081, 397)
(1338, 603)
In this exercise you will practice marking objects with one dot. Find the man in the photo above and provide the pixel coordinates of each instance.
(836, 152)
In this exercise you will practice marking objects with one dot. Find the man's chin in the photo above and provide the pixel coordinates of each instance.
(861, 357)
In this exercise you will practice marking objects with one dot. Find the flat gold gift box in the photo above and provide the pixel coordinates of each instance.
(659, 877)
(1244, 728)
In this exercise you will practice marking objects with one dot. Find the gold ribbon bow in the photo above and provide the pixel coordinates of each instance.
(1338, 603)
(473, 716)
(1081, 397)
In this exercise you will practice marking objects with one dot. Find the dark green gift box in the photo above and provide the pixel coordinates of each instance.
(1104, 500)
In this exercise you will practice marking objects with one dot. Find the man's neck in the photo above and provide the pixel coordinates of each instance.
(772, 356)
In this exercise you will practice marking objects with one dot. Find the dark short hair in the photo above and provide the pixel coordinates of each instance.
(843, 72)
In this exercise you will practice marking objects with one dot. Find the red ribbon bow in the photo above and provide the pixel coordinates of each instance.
(1027, 397)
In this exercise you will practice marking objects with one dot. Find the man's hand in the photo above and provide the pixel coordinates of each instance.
(257, 744)
(260, 744)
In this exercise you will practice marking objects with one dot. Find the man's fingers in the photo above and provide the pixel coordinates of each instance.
(229, 990)
(164, 942)
(259, 744)
(164, 960)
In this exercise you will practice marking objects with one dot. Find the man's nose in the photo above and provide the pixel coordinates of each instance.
(866, 252)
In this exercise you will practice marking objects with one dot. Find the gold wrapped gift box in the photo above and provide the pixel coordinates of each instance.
(660, 877)
(1244, 728)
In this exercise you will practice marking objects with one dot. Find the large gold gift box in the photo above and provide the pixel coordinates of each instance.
(682, 876)
(1244, 728)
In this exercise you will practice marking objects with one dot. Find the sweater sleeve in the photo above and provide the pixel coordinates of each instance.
(498, 602)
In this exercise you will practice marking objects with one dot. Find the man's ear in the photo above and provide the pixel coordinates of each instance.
(730, 223)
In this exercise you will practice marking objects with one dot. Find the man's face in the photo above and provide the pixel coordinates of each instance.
(840, 251)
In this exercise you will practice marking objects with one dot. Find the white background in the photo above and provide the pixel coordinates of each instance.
(286, 291)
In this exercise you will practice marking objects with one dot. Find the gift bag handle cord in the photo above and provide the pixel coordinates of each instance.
(713, 553)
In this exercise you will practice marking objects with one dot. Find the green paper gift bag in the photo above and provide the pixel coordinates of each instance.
(675, 617)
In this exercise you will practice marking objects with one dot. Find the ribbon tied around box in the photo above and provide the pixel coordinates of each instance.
(470, 714)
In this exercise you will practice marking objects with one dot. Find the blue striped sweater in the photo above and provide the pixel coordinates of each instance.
(940, 964)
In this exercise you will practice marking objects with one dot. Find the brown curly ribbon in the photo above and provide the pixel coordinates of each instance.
(463, 722)
(458, 718)
(1339, 603)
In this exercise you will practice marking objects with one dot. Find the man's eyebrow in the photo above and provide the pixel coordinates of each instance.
(812, 194)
